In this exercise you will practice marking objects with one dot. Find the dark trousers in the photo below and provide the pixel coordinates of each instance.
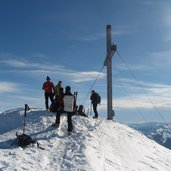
(95, 109)
(69, 120)
(58, 115)
(47, 97)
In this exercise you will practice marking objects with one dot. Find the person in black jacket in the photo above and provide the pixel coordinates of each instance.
(69, 101)
(59, 107)
(94, 102)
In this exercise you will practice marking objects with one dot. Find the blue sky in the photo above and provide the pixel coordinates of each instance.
(67, 41)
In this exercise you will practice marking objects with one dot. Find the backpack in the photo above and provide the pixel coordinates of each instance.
(24, 140)
(81, 110)
(98, 99)
(57, 104)
(69, 103)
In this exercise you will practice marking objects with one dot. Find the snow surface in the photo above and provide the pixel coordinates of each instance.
(94, 145)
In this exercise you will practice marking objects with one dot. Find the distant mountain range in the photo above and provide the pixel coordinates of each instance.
(159, 132)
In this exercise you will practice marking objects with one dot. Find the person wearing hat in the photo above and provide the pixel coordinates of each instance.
(57, 88)
(94, 102)
(69, 106)
(49, 90)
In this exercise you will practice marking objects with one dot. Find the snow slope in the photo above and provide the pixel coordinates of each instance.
(95, 145)
(159, 132)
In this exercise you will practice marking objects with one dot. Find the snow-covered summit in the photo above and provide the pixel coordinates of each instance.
(95, 145)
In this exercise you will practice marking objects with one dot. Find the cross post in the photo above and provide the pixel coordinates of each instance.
(111, 48)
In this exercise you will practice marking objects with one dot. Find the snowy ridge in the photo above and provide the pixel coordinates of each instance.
(95, 145)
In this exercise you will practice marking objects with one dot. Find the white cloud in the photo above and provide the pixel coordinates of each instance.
(39, 69)
(16, 63)
(92, 37)
(25, 64)
(128, 94)
(153, 62)
(117, 32)
(143, 102)
(78, 77)
(161, 58)
(8, 87)
(147, 95)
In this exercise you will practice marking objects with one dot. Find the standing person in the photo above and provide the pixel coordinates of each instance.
(49, 89)
(69, 106)
(60, 107)
(57, 88)
(94, 102)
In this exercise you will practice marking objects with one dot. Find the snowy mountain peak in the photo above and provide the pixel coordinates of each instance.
(94, 145)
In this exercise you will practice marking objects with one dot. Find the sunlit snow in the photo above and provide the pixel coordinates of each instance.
(94, 145)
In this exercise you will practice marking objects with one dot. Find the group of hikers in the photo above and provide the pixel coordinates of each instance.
(65, 102)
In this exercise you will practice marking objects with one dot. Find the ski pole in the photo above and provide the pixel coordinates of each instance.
(76, 94)
(88, 112)
(25, 110)
(91, 109)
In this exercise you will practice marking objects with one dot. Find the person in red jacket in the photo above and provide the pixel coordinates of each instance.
(49, 90)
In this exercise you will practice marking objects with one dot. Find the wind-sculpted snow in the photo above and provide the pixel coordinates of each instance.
(94, 145)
